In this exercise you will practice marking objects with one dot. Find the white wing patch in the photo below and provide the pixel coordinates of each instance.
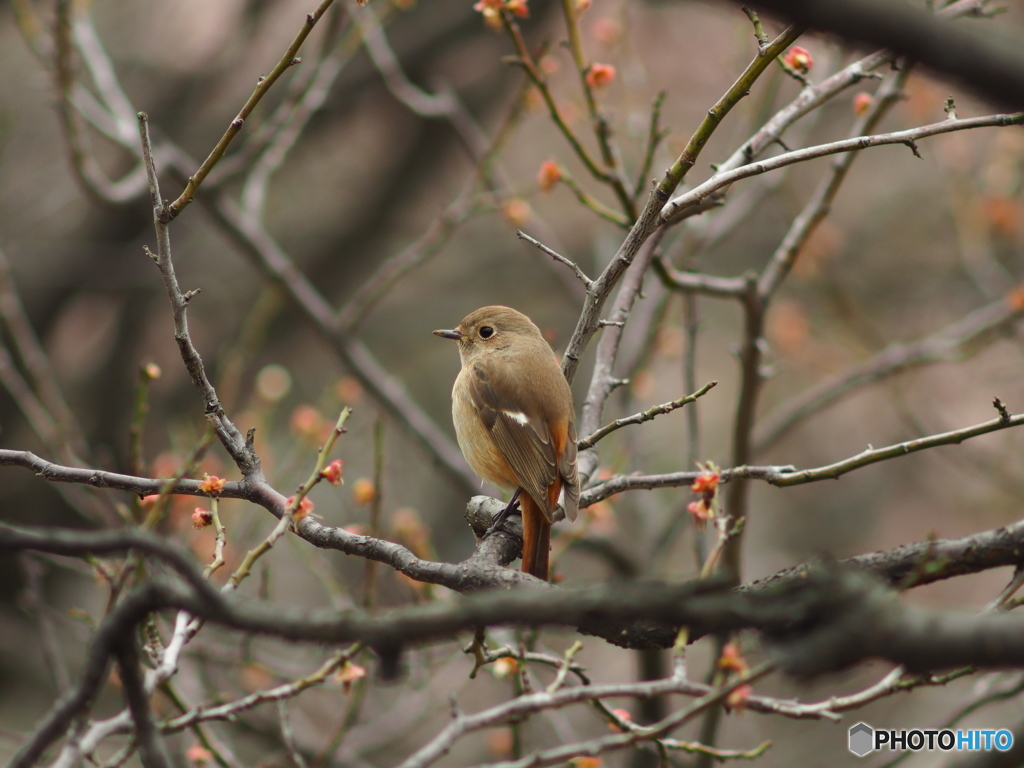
(518, 417)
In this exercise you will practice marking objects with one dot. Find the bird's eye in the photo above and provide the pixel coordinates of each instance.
(486, 332)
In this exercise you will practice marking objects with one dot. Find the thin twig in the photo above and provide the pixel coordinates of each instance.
(371, 570)
(444, 104)
(591, 203)
(639, 418)
(293, 118)
(288, 60)
(957, 341)
(698, 283)
(525, 60)
(523, 705)
(587, 282)
(655, 135)
(37, 364)
(875, 455)
(907, 137)
(650, 217)
(602, 131)
(820, 202)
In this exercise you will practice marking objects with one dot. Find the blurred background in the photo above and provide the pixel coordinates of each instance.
(911, 246)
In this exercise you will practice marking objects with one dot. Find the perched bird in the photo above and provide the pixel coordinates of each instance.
(515, 421)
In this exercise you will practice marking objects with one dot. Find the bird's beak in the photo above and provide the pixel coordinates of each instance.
(453, 334)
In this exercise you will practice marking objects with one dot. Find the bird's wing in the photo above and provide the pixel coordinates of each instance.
(519, 430)
(570, 475)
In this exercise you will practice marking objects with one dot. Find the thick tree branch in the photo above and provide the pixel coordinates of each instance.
(988, 61)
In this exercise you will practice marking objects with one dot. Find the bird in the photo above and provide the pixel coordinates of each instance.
(515, 421)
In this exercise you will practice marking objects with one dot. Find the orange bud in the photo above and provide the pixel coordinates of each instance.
(862, 103)
(731, 658)
(307, 422)
(622, 714)
(491, 11)
(255, 676)
(273, 382)
(504, 667)
(364, 491)
(197, 754)
(1003, 214)
(212, 484)
(701, 513)
(411, 531)
(606, 30)
(737, 698)
(799, 59)
(1015, 298)
(305, 507)
(517, 212)
(500, 742)
(600, 75)
(348, 675)
(706, 482)
(549, 175)
(348, 390)
(333, 471)
(549, 65)
(789, 328)
(201, 518)
(518, 7)
(165, 465)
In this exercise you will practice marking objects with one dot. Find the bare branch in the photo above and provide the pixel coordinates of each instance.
(875, 455)
(955, 342)
(988, 62)
(721, 180)
(587, 282)
(648, 415)
(232, 709)
(37, 363)
(287, 61)
(444, 104)
(650, 218)
(638, 482)
(524, 705)
(147, 735)
(819, 204)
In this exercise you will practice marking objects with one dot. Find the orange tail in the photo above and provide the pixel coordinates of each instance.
(536, 538)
